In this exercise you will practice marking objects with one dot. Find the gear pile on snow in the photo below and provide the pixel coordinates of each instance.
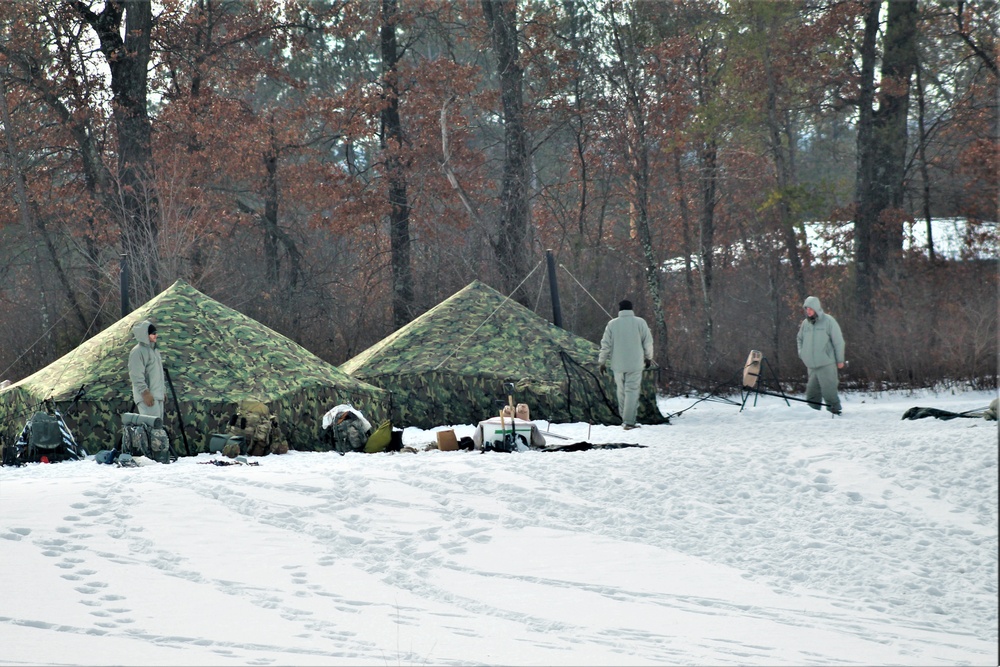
(989, 413)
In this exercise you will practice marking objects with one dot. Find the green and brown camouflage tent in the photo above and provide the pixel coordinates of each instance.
(451, 366)
(215, 357)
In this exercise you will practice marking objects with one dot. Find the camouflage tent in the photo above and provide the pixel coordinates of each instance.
(451, 365)
(215, 357)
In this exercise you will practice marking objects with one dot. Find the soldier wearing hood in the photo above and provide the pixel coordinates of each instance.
(821, 349)
(145, 370)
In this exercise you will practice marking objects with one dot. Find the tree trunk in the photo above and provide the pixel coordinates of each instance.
(128, 58)
(890, 123)
(392, 144)
(866, 214)
(629, 80)
(95, 177)
(28, 220)
(21, 198)
(275, 238)
(640, 229)
(785, 174)
(269, 218)
(709, 176)
(924, 174)
(511, 245)
(639, 222)
(882, 140)
(685, 228)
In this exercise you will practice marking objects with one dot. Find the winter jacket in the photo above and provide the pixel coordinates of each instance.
(626, 344)
(145, 367)
(820, 343)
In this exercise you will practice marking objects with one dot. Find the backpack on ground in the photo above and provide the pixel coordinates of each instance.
(46, 438)
(346, 430)
(144, 435)
(347, 433)
(253, 422)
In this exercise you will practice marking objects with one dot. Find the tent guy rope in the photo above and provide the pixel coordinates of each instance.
(486, 319)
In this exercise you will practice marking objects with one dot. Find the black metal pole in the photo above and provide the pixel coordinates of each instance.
(553, 289)
(123, 282)
(180, 418)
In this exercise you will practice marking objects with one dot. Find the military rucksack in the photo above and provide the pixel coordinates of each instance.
(46, 438)
(253, 422)
(347, 433)
(144, 435)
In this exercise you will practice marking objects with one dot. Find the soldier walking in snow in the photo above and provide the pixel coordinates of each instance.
(627, 347)
(821, 349)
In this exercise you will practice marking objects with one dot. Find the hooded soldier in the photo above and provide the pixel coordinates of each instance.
(821, 349)
(145, 370)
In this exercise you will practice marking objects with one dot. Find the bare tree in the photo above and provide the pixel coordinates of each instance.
(629, 81)
(128, 53)
(511, 245)
(882, 140)
(391, 139)
(781, 143)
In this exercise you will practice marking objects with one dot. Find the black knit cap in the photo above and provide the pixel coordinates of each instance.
(625, 305)
(152, 329)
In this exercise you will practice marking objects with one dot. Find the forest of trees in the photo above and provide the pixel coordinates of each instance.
(334, 168)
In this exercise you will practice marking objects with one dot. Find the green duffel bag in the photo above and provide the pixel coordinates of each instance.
(380, 438)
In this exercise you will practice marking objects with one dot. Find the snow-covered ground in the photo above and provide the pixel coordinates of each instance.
(772, 535)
